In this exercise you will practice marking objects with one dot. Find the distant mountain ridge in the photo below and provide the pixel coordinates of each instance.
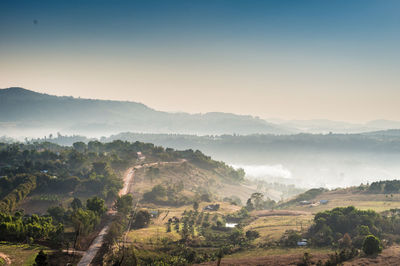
(22, 109)
(325, 126)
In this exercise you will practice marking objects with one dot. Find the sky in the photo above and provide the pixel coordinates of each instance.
(288, 59)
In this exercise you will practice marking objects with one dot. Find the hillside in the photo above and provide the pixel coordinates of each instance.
(46, 174)
(306, 160)
(101, 117)
(379, 196)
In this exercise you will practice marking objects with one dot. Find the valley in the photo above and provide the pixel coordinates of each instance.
(168, 198)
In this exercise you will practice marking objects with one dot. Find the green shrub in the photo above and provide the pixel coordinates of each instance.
(371, 245)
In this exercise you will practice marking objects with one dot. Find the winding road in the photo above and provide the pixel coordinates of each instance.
(128, 179)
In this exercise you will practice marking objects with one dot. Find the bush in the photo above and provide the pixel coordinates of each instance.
(41, 259)
(252, 234)
(371, 245)
(142, 219)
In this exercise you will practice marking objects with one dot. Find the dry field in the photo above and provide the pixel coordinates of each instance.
(347, 197)
(272, 224)
(389, 256)
(278, 257)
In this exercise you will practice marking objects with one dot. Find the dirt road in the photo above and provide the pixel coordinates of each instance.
(94, 247)
(6, 259)
(128, 179)
(89, 254)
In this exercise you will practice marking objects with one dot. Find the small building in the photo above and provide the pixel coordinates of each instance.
(211, 207)
(230, 225)
(302, 243)
(154, 213)
(323, 201)
(305, 202)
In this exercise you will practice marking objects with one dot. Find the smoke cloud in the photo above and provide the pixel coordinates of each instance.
(265, 171)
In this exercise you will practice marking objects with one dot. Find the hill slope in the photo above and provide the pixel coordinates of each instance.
(25, 109)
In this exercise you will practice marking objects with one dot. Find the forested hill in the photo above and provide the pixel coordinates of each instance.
(87, 169)
(25, 109)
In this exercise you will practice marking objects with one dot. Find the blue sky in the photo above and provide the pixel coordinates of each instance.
(287, 59)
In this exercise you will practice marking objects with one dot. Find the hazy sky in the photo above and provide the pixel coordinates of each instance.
(288, 59)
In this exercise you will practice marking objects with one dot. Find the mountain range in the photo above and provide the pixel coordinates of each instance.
(26, 110)
(27, 113)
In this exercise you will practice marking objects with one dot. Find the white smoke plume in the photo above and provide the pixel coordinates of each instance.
(265, 171)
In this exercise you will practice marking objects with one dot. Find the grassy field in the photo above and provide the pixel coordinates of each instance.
(347, 197)
(193, 178)
(21, 254)
(157, 228)
(276, 257)
(278, 251)
(272, 227)
(151, 235)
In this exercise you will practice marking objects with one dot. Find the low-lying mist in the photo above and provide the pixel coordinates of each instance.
(266, 172)
(304, 160)
(316, 173)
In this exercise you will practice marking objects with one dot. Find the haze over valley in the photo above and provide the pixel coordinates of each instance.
(274, 152)
(217, 132)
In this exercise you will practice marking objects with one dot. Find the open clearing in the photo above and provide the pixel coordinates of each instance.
(352, 197)
(272, 227)
(21, 254)
(389, 256)
(279, 256)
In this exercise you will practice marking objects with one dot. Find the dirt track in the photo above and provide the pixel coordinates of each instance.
(6, 259)
(279, 213)
(89, 254)
(128, 179)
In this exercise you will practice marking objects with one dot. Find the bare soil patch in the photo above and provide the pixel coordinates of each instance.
(389, 256)
(276, 260)
(279, 213)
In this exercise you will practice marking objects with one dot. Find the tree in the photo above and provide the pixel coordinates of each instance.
(96, 205)
(156, 194)
(249, 205)
(101, 168)
(79, 146)
(258, 200)
(290, 238)
(252, 234)
(84, 221)
(76, 204)
(124, 204)
(196, 205)
(57, 212)
(152, 172)
(142, 219)
(41, 259)
(345, 242)
(371, 245)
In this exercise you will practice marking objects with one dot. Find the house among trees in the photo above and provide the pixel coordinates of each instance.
(302, 243)
(230, 225)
